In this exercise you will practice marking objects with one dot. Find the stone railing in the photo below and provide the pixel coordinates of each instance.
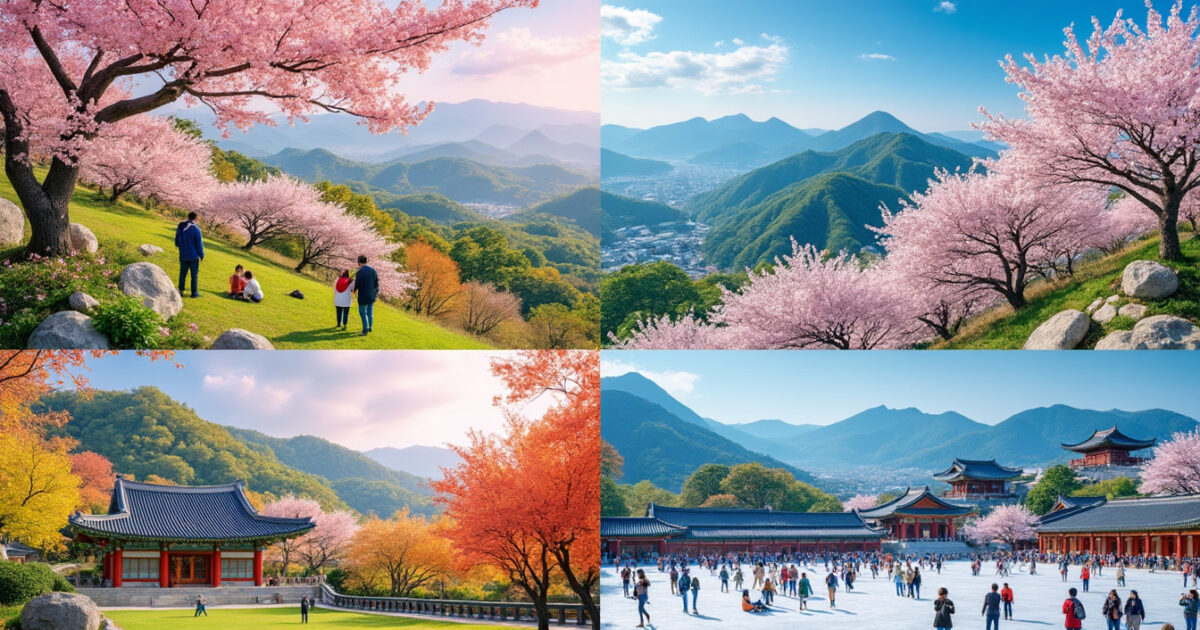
(521, 612)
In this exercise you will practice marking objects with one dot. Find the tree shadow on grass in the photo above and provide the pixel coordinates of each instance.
(318, 335)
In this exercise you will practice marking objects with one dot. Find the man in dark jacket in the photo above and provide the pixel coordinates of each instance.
(943, 608)
(190, 243)
(991, 608)
(366, 285)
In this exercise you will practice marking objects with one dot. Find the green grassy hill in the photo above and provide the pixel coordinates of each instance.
(580, 207)
(286, 321)
(613, 164)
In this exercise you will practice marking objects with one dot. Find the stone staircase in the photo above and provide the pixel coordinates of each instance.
(154, 597)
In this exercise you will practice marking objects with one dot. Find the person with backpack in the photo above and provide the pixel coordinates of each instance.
(1073, 611)
(190, 242)
(366, 287)
(991, 608)
(1006, 596)
(1135, 611)
(695, 593)
(1191, 607)
(943, 608)
(804, 590)
(831, 585)
(682, 585)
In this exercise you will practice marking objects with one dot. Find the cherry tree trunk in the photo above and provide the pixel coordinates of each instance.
(46, 204)
(1168, 228)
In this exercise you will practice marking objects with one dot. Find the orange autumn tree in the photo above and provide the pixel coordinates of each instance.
(435, 278)
(96, 476)
(528, 501)
(406, 551)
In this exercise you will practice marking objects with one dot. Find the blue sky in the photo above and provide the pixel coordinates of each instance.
(815, 387)
(359, 399)
(932, 63)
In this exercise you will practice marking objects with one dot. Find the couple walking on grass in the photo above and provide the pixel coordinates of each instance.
(364, 284)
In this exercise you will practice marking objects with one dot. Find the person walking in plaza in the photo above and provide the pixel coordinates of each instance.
(200, 607)
(943, 608)
(991, 608)
(683, 585)
(695, 593)
(1085, 576)
(1191, 607)
(724, 579)
(898, 578)
(641, 590)
(804, 591)
(674, 575)
(759, 574)
(738, 578)
(1073, 611)
(915, 590)
(768, 592)
(190, 242)
(1135, 611)
(1121, 574)
(304, 609)
(366, 287)
(831, 585)
(1113, 610)
(1006, 596)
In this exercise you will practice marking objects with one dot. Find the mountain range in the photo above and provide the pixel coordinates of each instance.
(423, 461)
(890, 438)
(613, 164)
(824, 199)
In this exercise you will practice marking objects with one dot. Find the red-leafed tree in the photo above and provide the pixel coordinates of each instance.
(96, 475)
(63, 66)
(1118, 110)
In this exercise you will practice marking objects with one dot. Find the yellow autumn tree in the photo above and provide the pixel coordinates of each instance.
(404, 552)
(37, 489)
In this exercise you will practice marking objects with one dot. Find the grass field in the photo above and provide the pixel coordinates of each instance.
(1004, 329)
(286, 321)
(272, 618)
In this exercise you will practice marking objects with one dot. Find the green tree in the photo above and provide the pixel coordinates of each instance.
(1056, 481)
(757, 486)
(1109, 488)
(721, 501)
(612, 501)
(802, 497)
(611, 461)
(702, 484)
(647, 290)
(643, 493)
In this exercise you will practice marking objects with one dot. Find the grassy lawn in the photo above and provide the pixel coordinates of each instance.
(271, 618)
(1004, 329)
(286, 321)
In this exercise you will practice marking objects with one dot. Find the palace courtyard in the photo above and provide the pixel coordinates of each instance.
(273, 617)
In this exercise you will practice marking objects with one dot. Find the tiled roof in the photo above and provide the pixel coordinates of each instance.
(634, 527)
(780, 533)
(738, 517)
(1066, 506)
(911, 496)
(986, 470)
(1155, 513)
(143, 511)
(1109, 438)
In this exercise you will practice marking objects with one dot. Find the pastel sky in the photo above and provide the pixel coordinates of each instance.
(931, 63)
(359, 399)
(814, 387)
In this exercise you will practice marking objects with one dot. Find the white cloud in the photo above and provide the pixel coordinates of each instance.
(774, 39)
(876, 57)
(737, 41)
(627, 27)
(518, 48)
(946, 6)
(719, 43)
(677, 382)
(738, 71)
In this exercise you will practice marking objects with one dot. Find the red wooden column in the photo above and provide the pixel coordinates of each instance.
(216, 563)
(164, 567)
(1146, 548)
(258, 565)
(1178, 547)
(116, 568)
(1120, 546)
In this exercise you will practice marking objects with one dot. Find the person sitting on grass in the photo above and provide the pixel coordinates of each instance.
(749, 606)
(237, 282)
(252, 292)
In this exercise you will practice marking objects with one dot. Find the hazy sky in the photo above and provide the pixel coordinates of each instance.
(814, 387)
(931, 63)
(359, 399)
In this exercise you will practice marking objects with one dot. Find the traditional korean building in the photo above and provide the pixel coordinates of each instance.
(1155, 526)
(156, 535)
(918, 514)
(975, 479)
(1109, 447)
(720, 530)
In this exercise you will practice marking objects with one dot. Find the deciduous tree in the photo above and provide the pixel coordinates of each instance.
(407, 550)
(860, 502)
(96, 478)
(1011, 524)
(436, 285)
(482, 308)
(263, 210)
(1175, 466)
(149, 156)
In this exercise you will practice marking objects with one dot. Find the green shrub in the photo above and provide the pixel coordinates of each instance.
(20, 583)
(129, 324)
(37, 286)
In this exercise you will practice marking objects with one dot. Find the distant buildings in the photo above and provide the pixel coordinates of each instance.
(978, 480)
(918, 514)
(1155, 526)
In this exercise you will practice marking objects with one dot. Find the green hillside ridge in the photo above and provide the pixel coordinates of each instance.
(613, 164)
(363, 483)
(286, 322)
(580, 207)
(660, 447)
(618, 211)
(144, 432)
(433, 206)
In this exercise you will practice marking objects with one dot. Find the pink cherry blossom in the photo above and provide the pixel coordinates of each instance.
(148, 156)
(1007, 523)
(1174, 467)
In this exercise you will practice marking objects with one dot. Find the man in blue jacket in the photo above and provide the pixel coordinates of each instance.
(366, 285)
(190, 243)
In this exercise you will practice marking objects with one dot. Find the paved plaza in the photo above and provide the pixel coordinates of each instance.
(874, 604)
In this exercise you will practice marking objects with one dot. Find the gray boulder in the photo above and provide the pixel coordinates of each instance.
(67, 330)
(1148, 280)
(1112, 299)
(1096, 303)
(1160, 332)
(82, 302)
(60, 611)
(12, 223)
(1063, 331)
(149, 282)
(82, 240)
(147, 249)
(1105, 313)
(1132, 311)
(238, 339)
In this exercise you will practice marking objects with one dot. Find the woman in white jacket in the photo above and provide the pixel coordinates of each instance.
(343, 297)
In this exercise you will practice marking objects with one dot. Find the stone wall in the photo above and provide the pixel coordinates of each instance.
(186, 596)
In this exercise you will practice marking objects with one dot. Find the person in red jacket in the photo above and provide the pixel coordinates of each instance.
(1071, 608)
(1006, 595)
(1085, 575)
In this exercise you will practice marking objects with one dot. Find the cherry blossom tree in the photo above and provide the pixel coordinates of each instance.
(328, 542)
(940, 308)
(147, 155)
(290, 506)
(67, 68)
(330, 238)
(1126, 219)
(1009, 523)
(1120, 111)
(860, 502)
(263, 210)
(989, 232)
(1175, 467)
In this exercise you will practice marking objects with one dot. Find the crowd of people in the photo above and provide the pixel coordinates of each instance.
(760, 577)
